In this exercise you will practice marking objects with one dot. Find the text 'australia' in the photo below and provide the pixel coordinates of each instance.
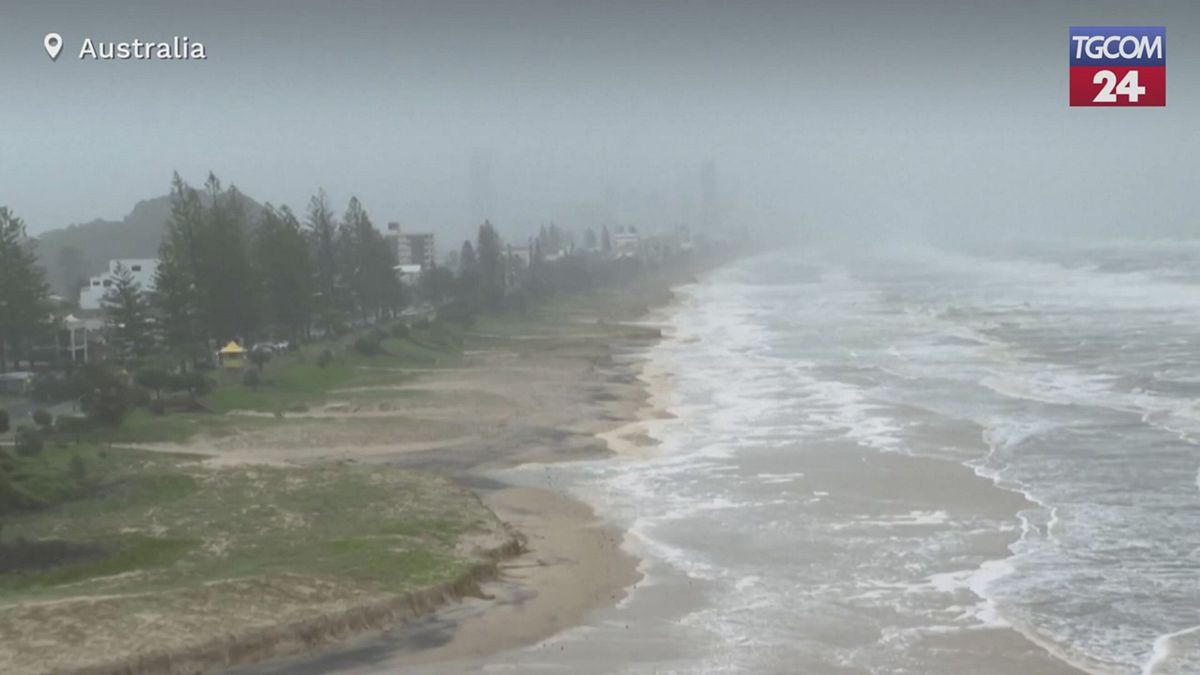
(178, 48)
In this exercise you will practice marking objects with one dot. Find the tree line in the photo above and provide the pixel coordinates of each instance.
(227, 272)
(223, 274)
(24, 294)
(227, 275)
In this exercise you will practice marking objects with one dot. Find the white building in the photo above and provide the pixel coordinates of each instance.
(142, 269)
(409, 275)
(412, 248)
(625, 242)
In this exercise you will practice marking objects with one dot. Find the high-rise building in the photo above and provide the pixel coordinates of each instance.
(412, 248)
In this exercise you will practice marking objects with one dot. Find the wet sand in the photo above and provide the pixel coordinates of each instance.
(890, 498)
(573, 565)
(863, 507)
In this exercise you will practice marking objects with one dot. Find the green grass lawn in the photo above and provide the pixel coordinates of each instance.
(176, 522)
(293, 382)
(287, 385)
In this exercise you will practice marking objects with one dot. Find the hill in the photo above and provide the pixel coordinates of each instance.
(74, 253)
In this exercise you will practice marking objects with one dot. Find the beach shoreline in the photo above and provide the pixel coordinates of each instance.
(856, 488)
(572, 562)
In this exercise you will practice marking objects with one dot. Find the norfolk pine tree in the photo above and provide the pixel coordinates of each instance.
(281, 258)
(128, 315)
(176, 295)
(24, 295)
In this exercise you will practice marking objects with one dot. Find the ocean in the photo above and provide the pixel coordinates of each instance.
(912, 460)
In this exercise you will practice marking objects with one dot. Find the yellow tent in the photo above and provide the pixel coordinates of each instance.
(232, 355)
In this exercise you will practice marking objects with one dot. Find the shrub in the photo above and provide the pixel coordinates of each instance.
(251, 379)
(3, 421)
(107, 407)
(154, 379)
(106, 397)
(325, 358)
(400, 331)
(260, 357)
(367, 345)
(48, 388)
(194, 383)
(157, 407)
(458, 312)
(75, 425)
(138, 396)
(28, 442)
(42, 418)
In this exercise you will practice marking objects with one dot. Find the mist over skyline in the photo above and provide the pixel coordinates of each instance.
(909, 119)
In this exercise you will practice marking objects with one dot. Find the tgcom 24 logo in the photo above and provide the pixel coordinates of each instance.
(1118, 65)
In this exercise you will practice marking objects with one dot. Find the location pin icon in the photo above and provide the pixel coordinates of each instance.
(53, 44)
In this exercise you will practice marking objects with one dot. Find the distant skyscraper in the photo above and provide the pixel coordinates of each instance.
(411, 248)
(483, 196)
(708, 195)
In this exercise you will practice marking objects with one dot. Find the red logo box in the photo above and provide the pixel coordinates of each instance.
(1118, 65)
(1116, 86)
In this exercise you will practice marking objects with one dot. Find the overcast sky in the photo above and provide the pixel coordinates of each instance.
(847, 116)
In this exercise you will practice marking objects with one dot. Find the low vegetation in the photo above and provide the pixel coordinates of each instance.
(175, 521)
(137, 532)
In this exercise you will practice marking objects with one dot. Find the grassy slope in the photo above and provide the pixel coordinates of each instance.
(231, 550)
(178, 522)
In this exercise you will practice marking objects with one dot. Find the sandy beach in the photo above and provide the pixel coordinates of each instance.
(573, 393)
